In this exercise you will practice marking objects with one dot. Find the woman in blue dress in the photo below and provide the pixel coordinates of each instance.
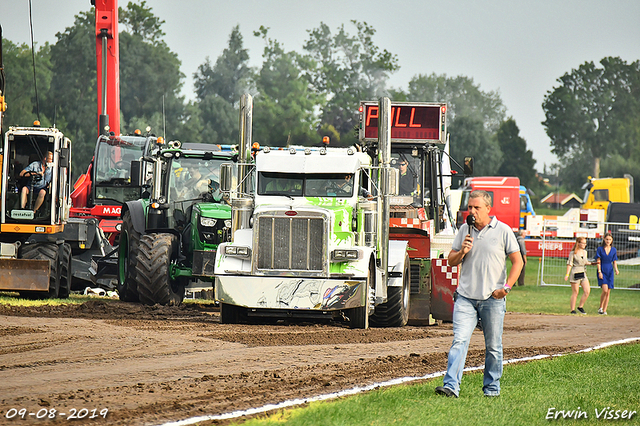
(607, 259)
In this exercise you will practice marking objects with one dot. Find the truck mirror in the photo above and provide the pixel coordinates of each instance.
(226, 177)
(64, 157)
(468, 166)
(135, 173)
(394, 179)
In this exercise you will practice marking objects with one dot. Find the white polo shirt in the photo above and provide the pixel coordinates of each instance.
(484, 268)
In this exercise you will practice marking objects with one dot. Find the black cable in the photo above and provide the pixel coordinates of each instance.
(33, 57)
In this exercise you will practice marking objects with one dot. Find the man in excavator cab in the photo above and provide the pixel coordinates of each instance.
(38, 174)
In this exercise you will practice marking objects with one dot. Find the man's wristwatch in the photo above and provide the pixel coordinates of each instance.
(507, 289)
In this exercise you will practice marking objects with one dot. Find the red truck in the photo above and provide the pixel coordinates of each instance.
(505, 193)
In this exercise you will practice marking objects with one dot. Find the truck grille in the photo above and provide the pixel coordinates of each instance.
(290, 243)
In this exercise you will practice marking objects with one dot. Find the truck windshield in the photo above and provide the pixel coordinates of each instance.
(310, 185)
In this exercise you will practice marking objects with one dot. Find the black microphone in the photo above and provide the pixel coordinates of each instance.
(470, 221)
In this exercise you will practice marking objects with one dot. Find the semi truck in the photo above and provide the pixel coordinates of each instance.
(312, 232)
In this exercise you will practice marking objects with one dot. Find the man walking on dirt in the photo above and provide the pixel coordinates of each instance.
(481, 250)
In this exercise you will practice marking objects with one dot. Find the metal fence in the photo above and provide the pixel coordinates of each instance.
(555, 250)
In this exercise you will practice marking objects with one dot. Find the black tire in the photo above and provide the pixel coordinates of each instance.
(153, 267)
(43, 251)
(64, 256)
(395, 312)
(127, 253)
(231, 314)
(359, 317)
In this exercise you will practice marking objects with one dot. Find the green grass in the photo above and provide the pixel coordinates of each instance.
(585, 382)
(14, 299)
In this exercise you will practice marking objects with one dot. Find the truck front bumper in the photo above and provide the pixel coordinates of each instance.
(322, 294)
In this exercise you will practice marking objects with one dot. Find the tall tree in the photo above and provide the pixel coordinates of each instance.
(218, 89)
(73, 59)
(463, 97)
(591, 109)
(518, 160)
(348, 69)
(284, 102)
(227, 78)
(150, 77)
(470, 138)
(139, 20)
(19, 86)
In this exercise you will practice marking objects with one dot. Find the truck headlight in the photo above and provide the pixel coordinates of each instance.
(208, 222)
(227, 223)
(345, 254)
(239, 251)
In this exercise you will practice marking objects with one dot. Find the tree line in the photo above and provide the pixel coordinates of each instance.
(299, 97)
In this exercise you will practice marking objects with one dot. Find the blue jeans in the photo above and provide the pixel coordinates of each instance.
(465, 318)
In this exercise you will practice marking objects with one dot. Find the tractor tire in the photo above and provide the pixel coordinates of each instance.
(395, 312)
(153, 267)
(359, 317)
(64, 256)
(127, 259)
(43, 251)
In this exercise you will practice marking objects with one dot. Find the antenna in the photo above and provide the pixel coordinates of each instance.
(164, 121)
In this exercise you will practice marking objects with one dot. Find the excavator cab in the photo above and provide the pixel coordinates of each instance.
(35, 177)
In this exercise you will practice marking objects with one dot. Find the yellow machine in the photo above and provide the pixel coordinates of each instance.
(600, 192)
(34, 259)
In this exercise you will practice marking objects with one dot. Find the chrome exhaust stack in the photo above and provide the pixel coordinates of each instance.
(242, 206)
(384, 161)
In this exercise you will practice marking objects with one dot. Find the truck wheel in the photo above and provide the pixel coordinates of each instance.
(359, 317)
(153, 269)
(64, 255)
(231, 314)
(395, 312)
(43, 251)
(127, 252)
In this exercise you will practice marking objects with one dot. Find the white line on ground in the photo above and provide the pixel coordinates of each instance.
(358, 389)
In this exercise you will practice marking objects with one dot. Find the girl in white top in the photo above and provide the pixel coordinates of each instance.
(577, 275)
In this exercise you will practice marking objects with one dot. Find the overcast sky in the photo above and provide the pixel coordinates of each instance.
(516, 47)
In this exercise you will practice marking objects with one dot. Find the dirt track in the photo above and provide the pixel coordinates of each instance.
(150, 365)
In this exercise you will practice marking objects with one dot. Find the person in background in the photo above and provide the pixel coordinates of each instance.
(523, 253)
(406, 185)
(607, 261)
(193, 183)
(345, 186)
(481, 250)
(577, 275)
(40, 186)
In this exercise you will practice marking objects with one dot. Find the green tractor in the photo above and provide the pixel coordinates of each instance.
(170, 236)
